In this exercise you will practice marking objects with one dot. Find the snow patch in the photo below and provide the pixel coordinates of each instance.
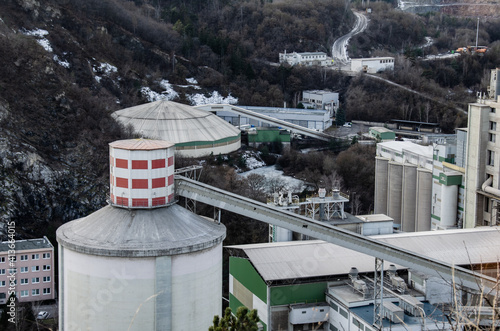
(215, 98)
(168, 94)
(192, 80)
(276, 181)
(40, 34)
(62, 63)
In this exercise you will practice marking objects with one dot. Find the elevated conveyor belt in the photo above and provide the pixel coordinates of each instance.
(267, 119)
(240, 205)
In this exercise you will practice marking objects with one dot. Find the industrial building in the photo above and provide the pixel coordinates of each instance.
(305, 59)
(194, 132)
(30, 263)
(372, 65)
(321, 100)
(381, 134)
(482, 186)
(142, 262)
(309, 285)
(315, 119)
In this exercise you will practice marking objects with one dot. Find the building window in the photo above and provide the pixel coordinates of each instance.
(24, 281)
(2, 259)
(343, 312)
(24, 269)
(486, 204)
(493, 126)
(491, 158)
(46, 267)
(35, 256)
(493, 110)
(24, 293)
(46, 279)
(2, 283)
(35, 280)
(24, 257)
(2, 271)
(493, 137)
(35, 292)
(334, 306)
(35, 268)
(46, 255)
(46, 290)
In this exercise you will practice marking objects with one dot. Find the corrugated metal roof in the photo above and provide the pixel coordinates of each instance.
(305, 259)
(141, 144)
(175, 122)
(113, 231)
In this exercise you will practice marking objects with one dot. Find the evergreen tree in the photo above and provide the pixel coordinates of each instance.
(245, 320)
(340, 116)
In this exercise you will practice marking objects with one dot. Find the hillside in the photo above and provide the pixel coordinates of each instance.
(68, 64)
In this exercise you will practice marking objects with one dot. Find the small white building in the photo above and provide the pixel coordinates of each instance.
(372, 65)
(306, 59)
(321, 99)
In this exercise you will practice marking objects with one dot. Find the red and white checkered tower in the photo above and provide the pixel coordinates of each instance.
(141, 173)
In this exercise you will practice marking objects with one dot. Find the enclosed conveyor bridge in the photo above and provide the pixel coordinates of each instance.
(267, 119)
(218, 198)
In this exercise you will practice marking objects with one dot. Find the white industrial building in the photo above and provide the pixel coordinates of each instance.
(142, 262)
(372, 65)
(321, 100)
(305, 59)
(315, 119)
(194, 132)
(310, 285)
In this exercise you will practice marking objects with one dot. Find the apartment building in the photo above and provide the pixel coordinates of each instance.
(32, 264)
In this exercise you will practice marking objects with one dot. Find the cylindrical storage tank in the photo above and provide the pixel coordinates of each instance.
(140, 268)
(449, 204)
(424, 200)
(409, 198)
(141, 173)
(394, 197)
(381, 180)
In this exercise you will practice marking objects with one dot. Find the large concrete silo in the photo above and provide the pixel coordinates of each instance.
(409, 198)
(449, 205)
(395, 186)
(381, 179)
(142, 262)
(424, 199)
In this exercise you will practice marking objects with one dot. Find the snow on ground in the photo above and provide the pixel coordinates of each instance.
(62, 63)
(251, 160)
(40, 34)
(214, 98)
(275, 178)
(192, 80)
(168, 94)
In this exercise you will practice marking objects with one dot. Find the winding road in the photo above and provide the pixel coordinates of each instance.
(339, 48)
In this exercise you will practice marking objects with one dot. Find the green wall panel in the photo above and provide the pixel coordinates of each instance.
(283, 295)
(245, 273)
(234, 304)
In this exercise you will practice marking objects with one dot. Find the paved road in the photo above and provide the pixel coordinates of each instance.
(339, 48)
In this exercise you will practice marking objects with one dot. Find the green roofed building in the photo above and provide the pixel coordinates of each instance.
(382, 134)
(268, 135)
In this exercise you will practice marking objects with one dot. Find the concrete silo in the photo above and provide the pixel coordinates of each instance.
(409, 197)
(395, 186)
(381, 178)
(424, 196)
(142, 262)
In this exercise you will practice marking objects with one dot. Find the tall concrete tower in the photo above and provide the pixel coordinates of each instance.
(142, 262)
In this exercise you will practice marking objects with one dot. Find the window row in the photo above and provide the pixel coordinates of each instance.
(35, 280)
(35, 268)
(35, 292)
(25, 257)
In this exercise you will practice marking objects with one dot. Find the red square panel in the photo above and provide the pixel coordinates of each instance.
(139, 183)
(170, 161)
(122, 163)
(139, 164)
(158, 201)
(139, 202)
(122, 182)
(158, 182)
(170, 179)
(159, 163)
(122, 201)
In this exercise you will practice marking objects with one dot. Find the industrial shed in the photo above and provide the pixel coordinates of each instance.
(194, 132)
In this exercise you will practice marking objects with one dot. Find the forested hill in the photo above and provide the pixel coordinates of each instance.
(67, 64)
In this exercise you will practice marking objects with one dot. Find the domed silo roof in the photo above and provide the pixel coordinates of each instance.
(195, 132)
